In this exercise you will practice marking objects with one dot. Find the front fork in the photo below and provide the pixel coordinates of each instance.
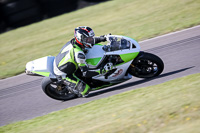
(132, 66)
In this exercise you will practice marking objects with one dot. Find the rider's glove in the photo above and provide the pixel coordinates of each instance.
(103, 38)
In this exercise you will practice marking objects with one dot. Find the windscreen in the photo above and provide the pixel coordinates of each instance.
(117, 43)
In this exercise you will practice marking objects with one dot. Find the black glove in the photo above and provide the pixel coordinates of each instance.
(102, 38)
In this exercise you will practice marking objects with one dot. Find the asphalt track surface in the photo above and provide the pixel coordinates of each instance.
(22, 98)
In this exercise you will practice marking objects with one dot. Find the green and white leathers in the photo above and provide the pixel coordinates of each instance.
(67, 62)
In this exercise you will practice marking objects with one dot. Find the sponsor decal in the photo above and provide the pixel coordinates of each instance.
(118, 73)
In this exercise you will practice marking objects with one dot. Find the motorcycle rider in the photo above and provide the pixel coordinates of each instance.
(72, 56)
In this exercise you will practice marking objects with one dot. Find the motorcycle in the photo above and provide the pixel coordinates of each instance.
(117, 61)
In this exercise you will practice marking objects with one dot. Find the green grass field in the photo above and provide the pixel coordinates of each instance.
(171, 107)
(139, 19)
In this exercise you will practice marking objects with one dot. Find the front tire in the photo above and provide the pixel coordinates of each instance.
(51, 89)
(146, 65)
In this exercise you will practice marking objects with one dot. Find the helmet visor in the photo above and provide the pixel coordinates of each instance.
(89, 40)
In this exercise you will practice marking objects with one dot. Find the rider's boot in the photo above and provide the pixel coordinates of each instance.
(81, 89)
(71, 87)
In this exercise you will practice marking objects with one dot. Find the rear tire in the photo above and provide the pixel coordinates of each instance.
(146, 65)
(51, 89)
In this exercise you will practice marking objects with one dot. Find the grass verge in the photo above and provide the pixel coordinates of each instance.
(169, 107)
(139, 19)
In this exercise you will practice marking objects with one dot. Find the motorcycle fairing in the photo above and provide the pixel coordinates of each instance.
(42, 66)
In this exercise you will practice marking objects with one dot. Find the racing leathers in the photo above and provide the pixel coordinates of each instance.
(70, 58)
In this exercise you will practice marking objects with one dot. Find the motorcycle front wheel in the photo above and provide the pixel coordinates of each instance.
(51, 89)
(146, 65)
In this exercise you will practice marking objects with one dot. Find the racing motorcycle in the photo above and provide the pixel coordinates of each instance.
(117, 61)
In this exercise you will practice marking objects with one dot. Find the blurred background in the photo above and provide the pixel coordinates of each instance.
(17, 13)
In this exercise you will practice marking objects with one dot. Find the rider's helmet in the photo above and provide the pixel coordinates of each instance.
(84, 36)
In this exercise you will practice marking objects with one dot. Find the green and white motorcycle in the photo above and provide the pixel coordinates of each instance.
(117, 61)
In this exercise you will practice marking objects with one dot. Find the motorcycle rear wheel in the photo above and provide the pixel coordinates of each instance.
(52, 90)
(146, 65)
